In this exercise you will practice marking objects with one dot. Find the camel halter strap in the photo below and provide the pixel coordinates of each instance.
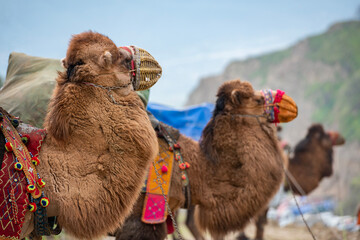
(109, 89)
(271, 109)
(251, 115)
(171, 143)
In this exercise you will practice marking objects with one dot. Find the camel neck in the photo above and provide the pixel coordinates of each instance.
(105, 145)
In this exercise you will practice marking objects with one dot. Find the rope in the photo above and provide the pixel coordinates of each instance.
(302, 192)
(297, 204)
(170, 140)
(251, 115)
(293, 181)
(109, 89)
(166, 201)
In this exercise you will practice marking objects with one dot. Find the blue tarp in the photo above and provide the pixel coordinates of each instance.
(323, 205)
(190, 121)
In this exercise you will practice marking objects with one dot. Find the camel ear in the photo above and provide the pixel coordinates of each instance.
(63, 63)
(236, 96)
(244, 91)
(107, 58)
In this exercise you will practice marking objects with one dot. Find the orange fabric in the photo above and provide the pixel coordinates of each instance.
(358, 217)
(154, 194)
(164, 157)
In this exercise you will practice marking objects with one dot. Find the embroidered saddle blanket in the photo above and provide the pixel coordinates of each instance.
(158, 185)
(14, 199)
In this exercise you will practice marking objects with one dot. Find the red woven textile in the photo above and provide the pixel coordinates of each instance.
(13, 196)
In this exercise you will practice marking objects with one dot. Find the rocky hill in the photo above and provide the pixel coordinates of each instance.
(322, 74)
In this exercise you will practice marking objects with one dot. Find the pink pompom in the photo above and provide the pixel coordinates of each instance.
(164, 169)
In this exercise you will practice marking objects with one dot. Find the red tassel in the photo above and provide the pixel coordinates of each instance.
(133, 67)
(276, 115)
(278, 96)
(169, 224)
(8, 147)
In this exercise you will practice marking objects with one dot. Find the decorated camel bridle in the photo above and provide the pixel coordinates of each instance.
(144, 72)
(271, 107)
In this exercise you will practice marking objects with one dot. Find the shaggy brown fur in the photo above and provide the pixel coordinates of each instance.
(313, 158)
(235, 170)
(260, 220)
(312, 161)
(95, 156)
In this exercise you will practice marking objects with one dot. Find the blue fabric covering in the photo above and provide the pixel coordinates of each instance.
(313, 206)
(190, 121)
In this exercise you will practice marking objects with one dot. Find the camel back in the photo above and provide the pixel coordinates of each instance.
(29, 84)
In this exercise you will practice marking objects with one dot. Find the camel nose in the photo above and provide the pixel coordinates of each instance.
(288, 109)
(336, 138)
(340, 140)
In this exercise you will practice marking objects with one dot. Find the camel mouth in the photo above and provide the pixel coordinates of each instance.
(279, 107)
(145, 70)
(288, 109)
(336, 138)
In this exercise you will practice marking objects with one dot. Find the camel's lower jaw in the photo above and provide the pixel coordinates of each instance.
(288, 109)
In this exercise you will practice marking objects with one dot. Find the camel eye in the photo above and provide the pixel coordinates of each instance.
(260, 101)
(80, 62)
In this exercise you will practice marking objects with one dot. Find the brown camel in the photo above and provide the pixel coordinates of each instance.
(99, 140)
(313, 159)
(260, 220)
(235, 169)
(311, 162)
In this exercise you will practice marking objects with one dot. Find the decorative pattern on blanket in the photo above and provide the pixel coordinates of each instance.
(155, 210)
(14, 198)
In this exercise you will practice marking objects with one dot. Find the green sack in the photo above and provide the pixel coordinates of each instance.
(29, 85)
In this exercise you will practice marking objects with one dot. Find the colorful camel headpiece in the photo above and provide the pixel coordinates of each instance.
(278, 106)
(145, 70)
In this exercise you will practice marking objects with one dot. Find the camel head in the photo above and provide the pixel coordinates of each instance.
(239, 98)
(317, 134)
(91, 59)
(94, 58)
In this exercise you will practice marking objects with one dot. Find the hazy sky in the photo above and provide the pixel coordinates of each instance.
(190, 39)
